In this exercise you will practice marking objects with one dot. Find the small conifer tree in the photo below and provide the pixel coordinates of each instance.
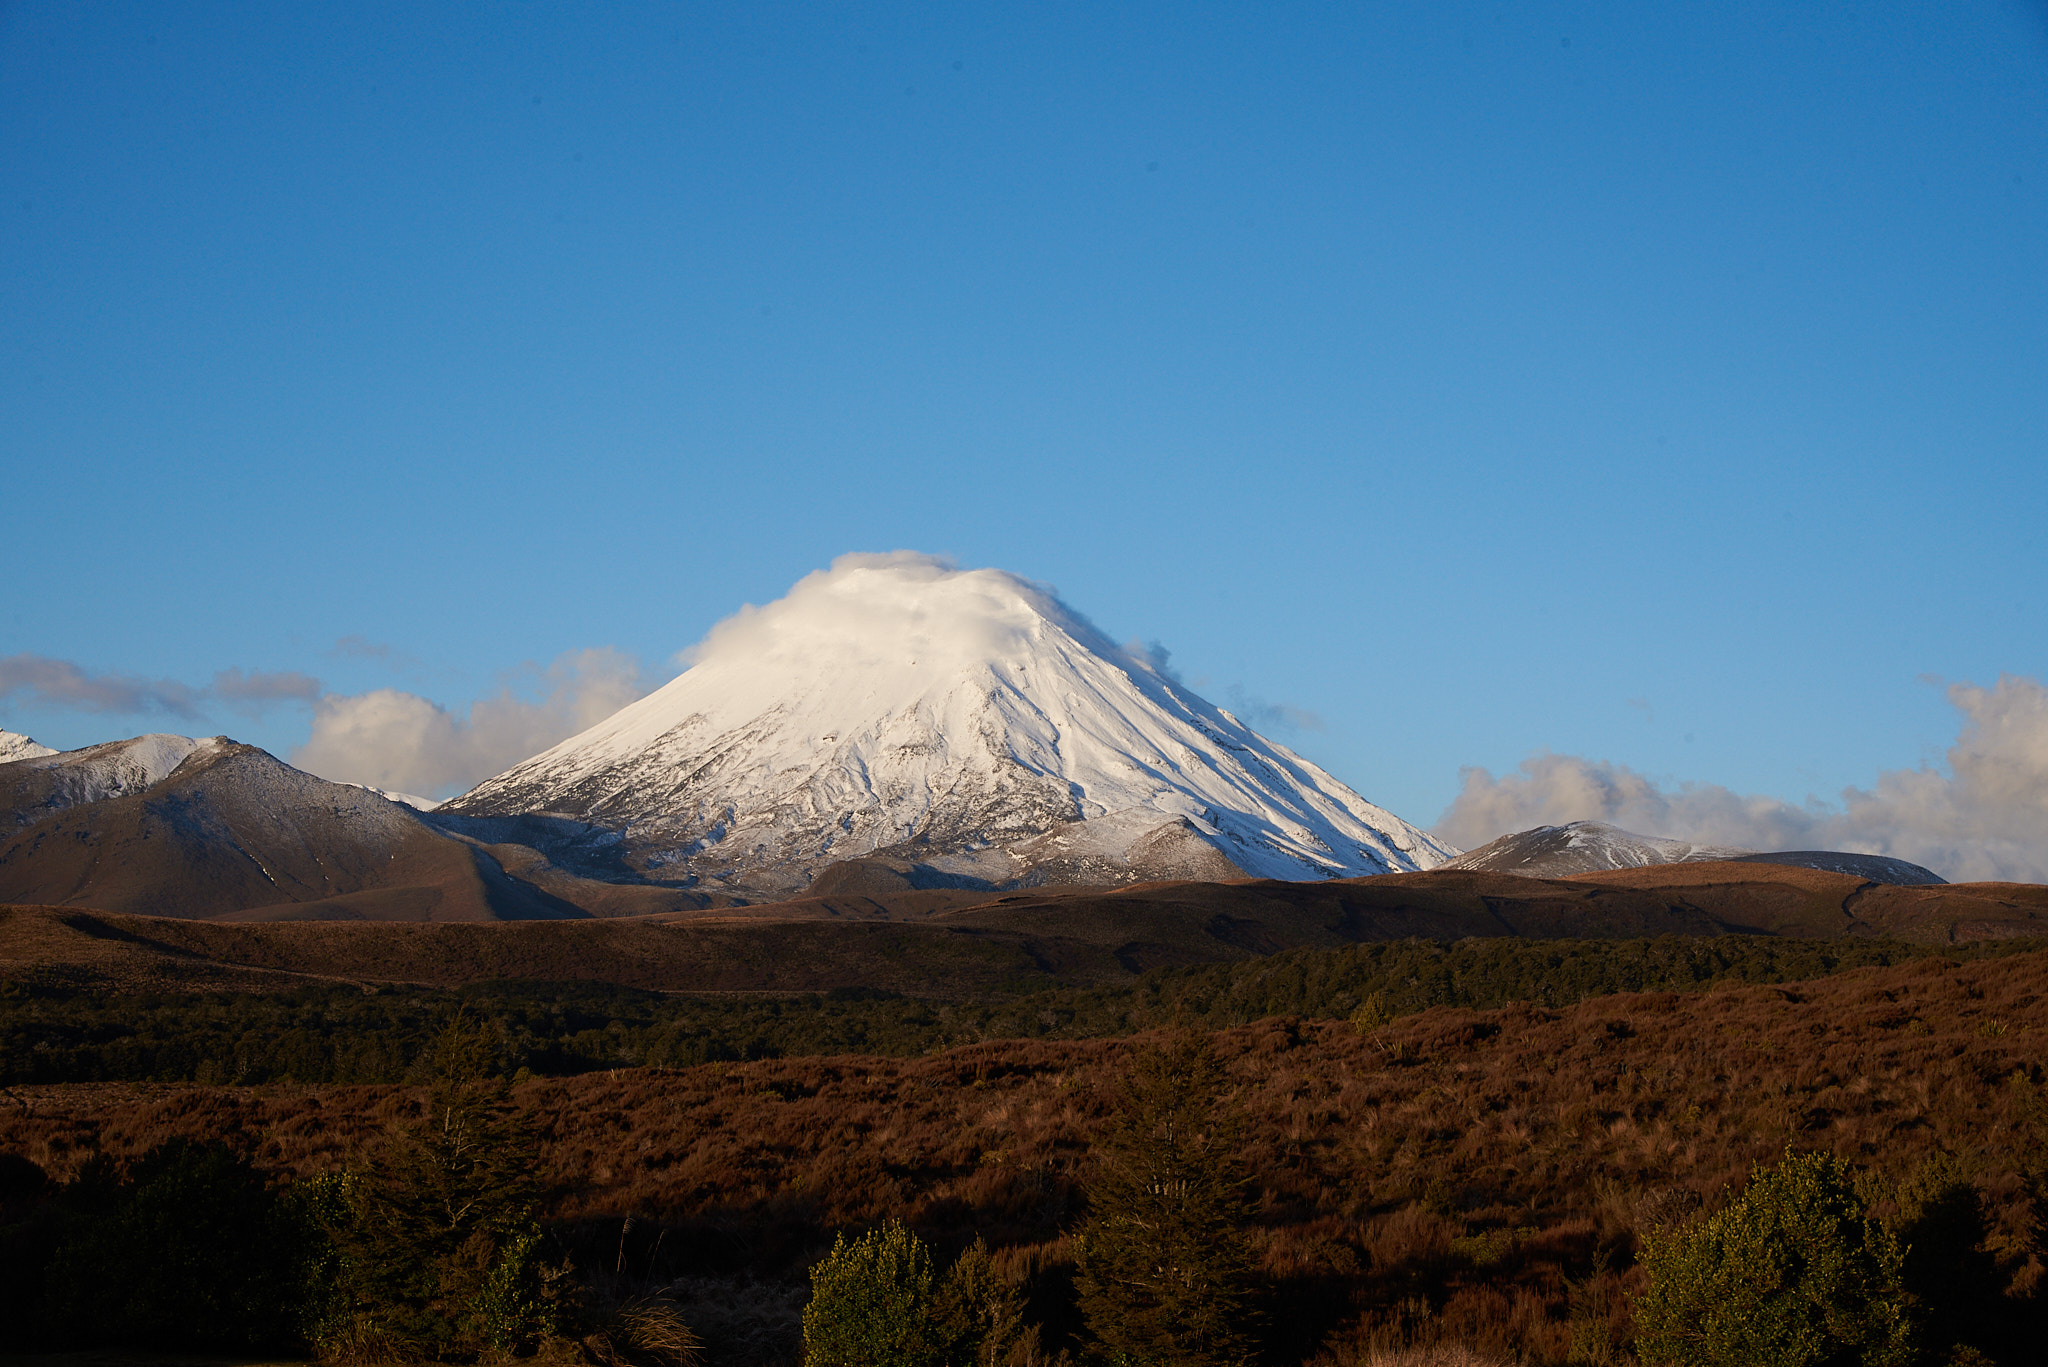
(980, 1316)
(1162, 1271)
(440, 1247)
(1794, 1272)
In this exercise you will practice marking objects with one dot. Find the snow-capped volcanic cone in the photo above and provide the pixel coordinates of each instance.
(951, 726)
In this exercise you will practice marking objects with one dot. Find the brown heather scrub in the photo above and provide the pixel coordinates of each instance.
(1454, 1180)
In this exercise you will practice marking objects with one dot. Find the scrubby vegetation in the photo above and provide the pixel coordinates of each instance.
(1851, 1167)
(340, 1033)
(1795, 1270)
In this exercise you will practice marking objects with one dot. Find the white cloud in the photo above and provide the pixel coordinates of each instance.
(1984, 818)
(405, 743)
(896, 604)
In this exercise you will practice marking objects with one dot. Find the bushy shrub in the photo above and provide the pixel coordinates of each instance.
(1795, 1272)
(872, 1304)
(1371, 1013)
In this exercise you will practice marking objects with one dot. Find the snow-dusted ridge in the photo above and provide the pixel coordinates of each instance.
(14, 746)
(117, 767)
(966, 720)
(412, 800)
(1584, 847)
(1593, 846)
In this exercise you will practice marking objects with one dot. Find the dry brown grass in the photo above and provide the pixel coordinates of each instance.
(1457, 1179)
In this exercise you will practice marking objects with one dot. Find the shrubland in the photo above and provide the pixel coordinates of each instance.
(1405, 1177)
(52, 1031)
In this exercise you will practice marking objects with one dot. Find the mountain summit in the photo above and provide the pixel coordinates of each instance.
(941, 726)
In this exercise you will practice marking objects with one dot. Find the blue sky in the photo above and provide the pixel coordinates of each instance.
(1665, 385)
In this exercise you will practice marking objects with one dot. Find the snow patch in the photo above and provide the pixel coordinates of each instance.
(117, 768)
(418, 804)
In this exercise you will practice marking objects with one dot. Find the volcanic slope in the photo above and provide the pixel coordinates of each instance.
(959, 728)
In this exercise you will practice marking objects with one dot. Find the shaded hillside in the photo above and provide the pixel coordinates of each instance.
(927, 944)
(232, 828)
(1480, 1178)
(1781, 899)
(223, 830)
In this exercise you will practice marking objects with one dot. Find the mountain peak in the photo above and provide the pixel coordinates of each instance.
(14, 746)
(896, 706)
(37, 785)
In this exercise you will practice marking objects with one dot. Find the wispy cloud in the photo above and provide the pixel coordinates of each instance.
(360, 647)
(39, 681)
(1255, 712)
(1983, 817)
(255, 692)
(403, 742)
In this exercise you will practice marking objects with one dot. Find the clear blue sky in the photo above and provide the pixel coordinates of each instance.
(1660, 383)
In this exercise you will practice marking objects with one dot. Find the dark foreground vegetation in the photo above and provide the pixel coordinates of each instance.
(1847, 1169)
(342, 1033)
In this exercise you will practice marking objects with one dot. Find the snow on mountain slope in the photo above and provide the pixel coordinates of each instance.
(233, 831)
(412, 800)
(14, 746)
(33, 788)
(1594, 846)
(1582, 847)
(967, 721)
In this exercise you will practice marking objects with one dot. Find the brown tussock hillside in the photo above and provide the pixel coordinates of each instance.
(951, 943)
(1451, 1177)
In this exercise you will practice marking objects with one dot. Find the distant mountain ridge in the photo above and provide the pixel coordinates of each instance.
(946, 727)
(1580, 847)
(228, 830)
(35, 786)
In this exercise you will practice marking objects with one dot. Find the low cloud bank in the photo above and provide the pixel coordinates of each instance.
(405, 743)
(1985, 819)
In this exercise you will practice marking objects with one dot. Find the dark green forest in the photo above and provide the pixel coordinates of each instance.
(343, 1033)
